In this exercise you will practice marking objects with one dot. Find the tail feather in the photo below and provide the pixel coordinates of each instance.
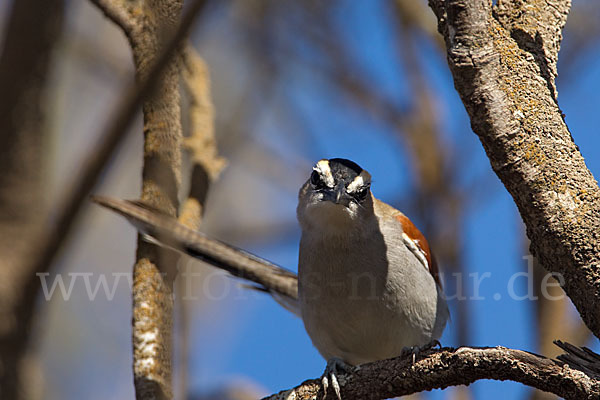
(168, 232)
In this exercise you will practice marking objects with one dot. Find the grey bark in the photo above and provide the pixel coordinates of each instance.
(147, 24)
(503, 60)
(451, 367)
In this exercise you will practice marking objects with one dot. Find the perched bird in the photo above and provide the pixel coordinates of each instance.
(367, 287)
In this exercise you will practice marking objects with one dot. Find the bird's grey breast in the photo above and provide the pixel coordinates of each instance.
(359, 297)
(342, 289)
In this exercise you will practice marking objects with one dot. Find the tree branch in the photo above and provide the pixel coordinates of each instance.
(451, 367)
(152, 288)
(503, 61)
(201, 145)
(118, 13)
(153, 272)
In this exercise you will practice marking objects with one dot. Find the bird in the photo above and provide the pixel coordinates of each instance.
(368, 287)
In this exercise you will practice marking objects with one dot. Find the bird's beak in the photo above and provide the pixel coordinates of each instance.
(338, 195)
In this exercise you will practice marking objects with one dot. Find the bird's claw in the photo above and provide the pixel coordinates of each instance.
(414, 351)
(334, 366)
(334, 384)
(432, 345)
(410, 351)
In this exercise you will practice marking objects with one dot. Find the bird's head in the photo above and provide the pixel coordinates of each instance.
(336, 197)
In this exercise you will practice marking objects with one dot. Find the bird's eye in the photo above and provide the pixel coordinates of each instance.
(315, 180)
(362, 193)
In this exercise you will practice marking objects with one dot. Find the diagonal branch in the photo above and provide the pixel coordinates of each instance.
(32, 32)
(451, 367)
(503, 61)
(117, 12)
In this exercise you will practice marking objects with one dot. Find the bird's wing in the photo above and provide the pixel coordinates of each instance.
(413, 239)
(416, 242)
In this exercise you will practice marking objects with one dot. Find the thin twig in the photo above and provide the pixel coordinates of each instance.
(201, 145)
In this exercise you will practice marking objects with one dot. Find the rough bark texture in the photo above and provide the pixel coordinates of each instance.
(33, 30)
(450, 367)
(148, 24)
(153, 290)
(503, 60)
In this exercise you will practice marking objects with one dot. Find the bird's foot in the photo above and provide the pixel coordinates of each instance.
(414, 351)
(334, 366)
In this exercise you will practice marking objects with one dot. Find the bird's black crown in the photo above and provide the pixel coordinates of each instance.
(344, 170)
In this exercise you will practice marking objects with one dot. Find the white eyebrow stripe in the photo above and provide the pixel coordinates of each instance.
(324, 170)
(363, 178)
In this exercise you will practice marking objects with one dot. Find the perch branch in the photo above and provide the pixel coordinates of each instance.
(438, 369)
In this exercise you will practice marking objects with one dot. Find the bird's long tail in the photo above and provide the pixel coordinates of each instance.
(166, 231)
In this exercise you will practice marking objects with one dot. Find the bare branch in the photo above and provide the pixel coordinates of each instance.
(451, 367)
(201, 143)
(154, 271)
(152, 292)
(118, 13)
(206, 166)
(503, 65)
(580, 358)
